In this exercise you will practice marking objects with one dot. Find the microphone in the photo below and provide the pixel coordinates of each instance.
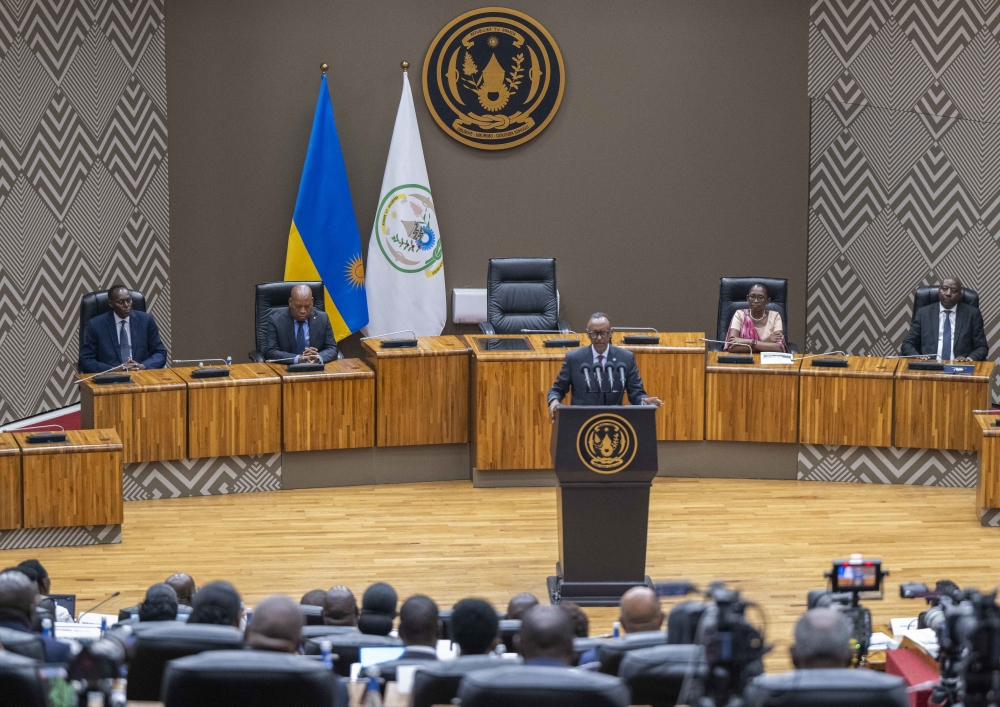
(621, 370)
(600, 381)
(825, 353)
(209, 372)
(100, 603)
(395, 343)
(727, 343)
(586, 374)
(105, 377)
(44, 437)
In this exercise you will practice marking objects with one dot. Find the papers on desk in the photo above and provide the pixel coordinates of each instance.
(926, 638)
(69, 631)
(772, 358)
(95, 619)
(881, 642)
(901, 626)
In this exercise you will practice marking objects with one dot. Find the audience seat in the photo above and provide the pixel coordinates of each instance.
(321, 630)
(29, 645)
(312, 614)
(234, 678)
(582, 645)
(347, 647)
(508, 629)
(537, 686)
(682, 622)
(611, 652)
(656, 675)
(157, 645)
(437, 683)
(19, 681)
(833, 687)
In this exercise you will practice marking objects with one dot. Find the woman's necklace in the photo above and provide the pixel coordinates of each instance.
(762, 317)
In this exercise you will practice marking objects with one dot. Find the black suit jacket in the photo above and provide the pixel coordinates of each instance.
(388, 669)
(279, 337)
(968, 339)
(578, 373)
(99, 349)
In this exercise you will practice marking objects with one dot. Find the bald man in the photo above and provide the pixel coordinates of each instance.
(822, 640)
(340, 608)
(546, 637)
(276, 626)
(949, 329)
(300, 333)
(640, 611)
(183, 584)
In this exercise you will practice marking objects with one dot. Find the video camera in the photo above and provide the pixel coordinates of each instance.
(849, 579)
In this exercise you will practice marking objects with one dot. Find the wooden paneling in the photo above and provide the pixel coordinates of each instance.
(10, 482)
(149, 414)
(934, 410)
(988, 487)
(674, 372)
(847, 406)
(77, 482)
(237, 415)
(751, 403)
(421, 393)
(332, 409)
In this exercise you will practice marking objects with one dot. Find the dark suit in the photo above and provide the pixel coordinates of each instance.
(968, 339)
(409, 657)
(100, 351)
(578, 373)
(279, 336)
(55, 651)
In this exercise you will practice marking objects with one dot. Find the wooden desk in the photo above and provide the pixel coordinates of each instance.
(240, 414)
(149, 414)
(76, 482)
(988, 486)
(751, 403)
(934, 409)
(329, 409)
(10, 482)
(421, 393)
(511, 425)
(674, 372)
(847, 406)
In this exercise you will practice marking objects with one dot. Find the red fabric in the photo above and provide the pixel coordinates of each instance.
(69, 421)
(908, 666)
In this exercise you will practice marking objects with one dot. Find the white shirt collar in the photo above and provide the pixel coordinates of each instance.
(943, 309)
(605, 354)
(119, 320)
(421, 649)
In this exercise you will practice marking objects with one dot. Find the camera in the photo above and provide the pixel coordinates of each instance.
(849, 579)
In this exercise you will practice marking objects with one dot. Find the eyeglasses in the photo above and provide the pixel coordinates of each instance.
(756, 298)
(598, 334)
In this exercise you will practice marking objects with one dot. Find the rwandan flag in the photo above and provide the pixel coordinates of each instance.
(324, 242)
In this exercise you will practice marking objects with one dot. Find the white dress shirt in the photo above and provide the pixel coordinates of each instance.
(942, 313)
(605, 354)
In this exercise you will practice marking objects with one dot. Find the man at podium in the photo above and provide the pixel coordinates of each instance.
(599, 374)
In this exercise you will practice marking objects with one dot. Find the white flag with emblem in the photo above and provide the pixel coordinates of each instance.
(405, 273)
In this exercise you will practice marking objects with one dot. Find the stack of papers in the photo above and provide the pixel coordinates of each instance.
(881, 642)
(901, 626)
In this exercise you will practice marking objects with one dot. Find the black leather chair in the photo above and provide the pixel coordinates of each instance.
(682, 622)
(437, 683)
(19, 681)
(733, 293)
(29, 645)
(656, 675)
(347, 647)
(94, 304)
(832, 687)
(156, 646)
(312, 614)
(537, 686)
(269, 296)
(929, 294)
(521, 294)
(509, 629)
(611, 652)
(247, 679)
(582, 645)
(318, 631)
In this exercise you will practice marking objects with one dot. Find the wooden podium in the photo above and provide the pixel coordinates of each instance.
(988, 486)
(751, 402)
(76, 482)
(934, 409)
(847, 406)
(238, 414)
(421, 393)
(10, 482)
(605, 459)
(149, 414)
(329, 409)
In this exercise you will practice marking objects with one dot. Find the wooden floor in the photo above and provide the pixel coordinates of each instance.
(774, 539)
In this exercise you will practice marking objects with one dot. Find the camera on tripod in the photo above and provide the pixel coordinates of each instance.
(849, 579)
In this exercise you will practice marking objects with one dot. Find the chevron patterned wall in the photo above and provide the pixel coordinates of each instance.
(83, 180)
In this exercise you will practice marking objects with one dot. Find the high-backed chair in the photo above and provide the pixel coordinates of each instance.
(19, 681)
(521, 294)
(312, 614)
(29, 645)
(682, 622)
(733, 293)
(269, 296)
(347, 647)
(930, 294)
(94, 304)
(828, 687)
(437, 683)
(610, 653)
(155, 647)
(320, 630)
(656, 675)
(247, 679)
(537, 686)
(582, 645)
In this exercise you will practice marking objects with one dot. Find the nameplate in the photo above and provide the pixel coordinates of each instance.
(46, 437)
(959, 369)
(641, 339)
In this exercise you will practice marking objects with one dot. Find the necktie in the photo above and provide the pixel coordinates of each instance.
(946, 337)
(124, 345)
(300, 337)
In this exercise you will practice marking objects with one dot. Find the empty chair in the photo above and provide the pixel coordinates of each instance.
(29, 645)
(656, 675)
(157, 645)
(269, 296)
(437, 683)
(611, 652)
(537, 686)
(322, 630)
(19, 681)
(247, 679)
(682, 622)
(733, 293)
(347, 647)
(827, 687)
(521, 294)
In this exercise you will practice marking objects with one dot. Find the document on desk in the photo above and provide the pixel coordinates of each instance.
(901, 626)
(776, 358)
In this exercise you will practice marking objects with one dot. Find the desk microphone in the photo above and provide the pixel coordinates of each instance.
(727, 343)
(44, 437)
(600, 381)
(621, 370)
(100, 603)
(586, 374)
(825, 353)
(209, 372)
(107, 376)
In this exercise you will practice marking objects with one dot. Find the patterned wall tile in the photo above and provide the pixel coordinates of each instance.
(887, 465)
(71, 536)
(212, 476)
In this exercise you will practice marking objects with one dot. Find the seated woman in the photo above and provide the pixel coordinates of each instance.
(756, 328)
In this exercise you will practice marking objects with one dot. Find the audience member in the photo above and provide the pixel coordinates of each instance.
(546, 637)
(184, 585)
(520, 604)
(641, 610)
(18, 597)
(276, 626)
(581, 624)
(217, 603)
(822, 640)
(41, 579)
(314, 597)
(420, 629)
(340, 608)
(475, 627)
(160, 603)
(378, 609)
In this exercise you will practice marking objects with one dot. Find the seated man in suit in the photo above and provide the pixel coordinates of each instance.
(183, 584)
(822, 640)
(475, 627)
(599, 374)
(340, 608)
(276, 626)
(546, 637)
(299, 334)
(420, 630)
(18, 598)
(949, 330)
(121, 338)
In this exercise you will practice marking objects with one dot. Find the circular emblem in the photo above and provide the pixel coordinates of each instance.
(493, 78)
(606, 443)
(407, 230)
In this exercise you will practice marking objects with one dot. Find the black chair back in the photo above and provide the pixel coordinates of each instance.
(347, 647)
(318, 631)
(611, 652)
(930, 294)
(156, 646)
(830, 687)
(537, 686)
(247, 679)
(733, 293)
(19, 681)
(437, 683)
(269, 296)
(312, 614)
(29, 645)
(656, 675)
(521, 294)
(682, 622)
(509, 629)
(582, 645)
(94, 304)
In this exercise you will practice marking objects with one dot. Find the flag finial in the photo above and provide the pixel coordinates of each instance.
(404, 65)
(324, 67)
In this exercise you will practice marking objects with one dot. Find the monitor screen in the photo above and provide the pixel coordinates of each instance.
(856, 576)
(372, 655)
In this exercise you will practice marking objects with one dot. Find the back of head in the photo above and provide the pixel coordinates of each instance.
(475, 626)
(581, 623)
(216, 603)
(314, 597)
(520, 603)
(37, 573)
(276, 626)
(160, 603)
(17, 596)
(340, 608)
(546, 632)
(822, 640)
(183, 584)
(418, 621)
(640, 610)
(378, 609)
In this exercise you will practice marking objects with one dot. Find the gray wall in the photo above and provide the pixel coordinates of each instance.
(679, 154)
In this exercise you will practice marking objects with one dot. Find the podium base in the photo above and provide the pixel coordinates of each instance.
(590, 593)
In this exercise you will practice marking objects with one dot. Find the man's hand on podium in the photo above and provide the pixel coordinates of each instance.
(553, 404)
(652, 401)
